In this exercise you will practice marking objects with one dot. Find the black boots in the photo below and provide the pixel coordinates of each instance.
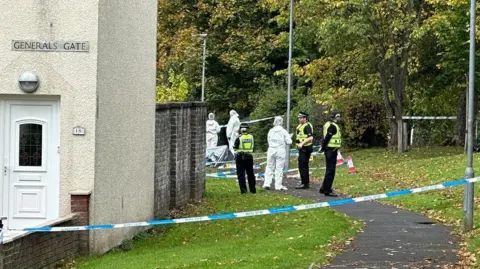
(302, 187)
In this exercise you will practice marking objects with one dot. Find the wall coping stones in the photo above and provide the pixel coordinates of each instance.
(80, 192)
(11, 236)
(162, 106)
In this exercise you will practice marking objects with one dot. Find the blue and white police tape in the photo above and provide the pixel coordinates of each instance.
(232, 174)
(230, 162)
(313, 154)
(292, 154)
(294, 149)
(263, 212)
(232, 168)
(252, 121)
(219, 162)
(222, 174)
(229, 175)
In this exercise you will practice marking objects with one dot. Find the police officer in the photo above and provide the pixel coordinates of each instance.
(331, 143)
(304, 142)
(244, 159)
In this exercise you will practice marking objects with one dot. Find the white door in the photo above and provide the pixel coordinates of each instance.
(31, 162)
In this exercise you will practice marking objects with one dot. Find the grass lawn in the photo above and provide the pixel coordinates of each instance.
(290, 240)
(380, 171)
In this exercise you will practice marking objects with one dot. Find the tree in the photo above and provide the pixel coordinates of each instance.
(377, 36)
(449, 24)
(410, 56)
(176, 89)
(242, 50)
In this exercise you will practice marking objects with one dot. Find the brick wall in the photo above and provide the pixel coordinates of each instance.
(162, 162)
(40, 250)
(80, 204)
(179, 155)
(198, 117)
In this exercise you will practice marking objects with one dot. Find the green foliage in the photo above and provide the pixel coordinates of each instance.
(365, 123)
(143, 235)
(126, 245)
(242, 50)
(272, 103)
(411, 57)
(177, 90)
(431, 133)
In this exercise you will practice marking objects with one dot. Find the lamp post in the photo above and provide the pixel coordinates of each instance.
(469, 173)
(204, 38)
(290, 45)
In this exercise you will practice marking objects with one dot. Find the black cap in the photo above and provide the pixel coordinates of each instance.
(335, 114)
(302, 115)
(244, 125)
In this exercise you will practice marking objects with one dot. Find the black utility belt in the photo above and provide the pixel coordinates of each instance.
(306, 148)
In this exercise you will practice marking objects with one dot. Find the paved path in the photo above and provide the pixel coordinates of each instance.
(392, 238)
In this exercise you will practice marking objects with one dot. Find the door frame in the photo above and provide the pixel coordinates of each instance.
(3, 178)
(6, 148)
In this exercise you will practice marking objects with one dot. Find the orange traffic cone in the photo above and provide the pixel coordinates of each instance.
(351, 168)
(340, 159)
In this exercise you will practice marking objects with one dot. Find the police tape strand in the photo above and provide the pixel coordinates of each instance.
(230, 162)
(263, 212)
(232, 174)
(252, 121)
(292, 154)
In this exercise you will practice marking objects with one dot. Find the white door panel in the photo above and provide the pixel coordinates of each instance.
(29, 202)
(31, 160)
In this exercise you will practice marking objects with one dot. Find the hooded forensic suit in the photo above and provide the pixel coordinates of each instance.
(212, 130)
(278, 139)
(233, 127)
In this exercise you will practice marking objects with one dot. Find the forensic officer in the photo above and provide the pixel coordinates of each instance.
(304, 142)
(232, 129)
(331, 143)
(212, 131)
(244, 159)
(278, 139)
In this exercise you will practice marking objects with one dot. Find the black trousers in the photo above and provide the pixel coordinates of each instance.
(303, 164)
(245, 165)
(331, 164)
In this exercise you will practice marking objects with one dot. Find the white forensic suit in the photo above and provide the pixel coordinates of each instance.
(212, 131)
(278, 139)
(233, 127)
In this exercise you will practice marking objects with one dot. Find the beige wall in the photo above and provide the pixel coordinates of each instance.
(115, 159)
(124, 167)
(72, 76)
